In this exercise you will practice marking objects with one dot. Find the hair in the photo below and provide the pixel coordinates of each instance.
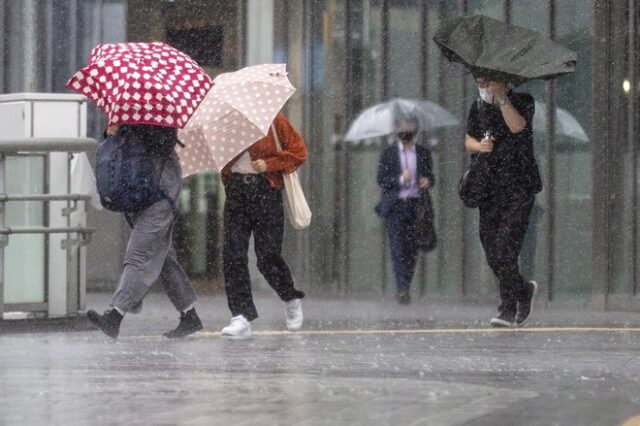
(402, 113)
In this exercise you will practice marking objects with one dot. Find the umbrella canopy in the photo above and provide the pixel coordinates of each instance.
(236, 113)
(566, 124)
(142, 83)
(378, 120)
(503, 52)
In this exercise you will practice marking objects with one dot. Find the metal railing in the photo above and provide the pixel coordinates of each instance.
(30, 147)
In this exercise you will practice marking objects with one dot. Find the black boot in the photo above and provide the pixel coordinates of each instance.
(109, 323)
(189, 323)
(525, 301)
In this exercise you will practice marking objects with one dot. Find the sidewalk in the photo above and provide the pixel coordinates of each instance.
(355, 362)
(384, 313)
(333, 313)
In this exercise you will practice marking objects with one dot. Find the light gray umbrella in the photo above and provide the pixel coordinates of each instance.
(378, 120)
(566, 124)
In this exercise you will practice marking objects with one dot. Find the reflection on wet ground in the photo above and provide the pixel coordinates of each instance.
(355, 363)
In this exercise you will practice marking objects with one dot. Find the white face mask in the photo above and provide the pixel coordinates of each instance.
(486, 94)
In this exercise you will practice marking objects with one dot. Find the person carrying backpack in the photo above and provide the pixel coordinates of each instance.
(138, 173)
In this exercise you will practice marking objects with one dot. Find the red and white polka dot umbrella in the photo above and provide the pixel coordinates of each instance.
(142, 83)
(236, 113)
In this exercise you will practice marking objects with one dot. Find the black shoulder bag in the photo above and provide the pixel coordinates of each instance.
(472, 187)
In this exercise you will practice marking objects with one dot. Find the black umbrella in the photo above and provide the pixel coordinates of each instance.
(503, 52)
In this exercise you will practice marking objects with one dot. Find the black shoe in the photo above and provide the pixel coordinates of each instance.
(525, 305)
(504, 319)
(109, 323)
(189, 323)
(404, 297)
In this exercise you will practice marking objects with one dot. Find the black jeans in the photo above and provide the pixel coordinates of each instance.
(253, 206)
(401, 228)
(503, 225)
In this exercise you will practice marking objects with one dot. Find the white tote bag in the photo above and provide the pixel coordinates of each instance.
(296, 204)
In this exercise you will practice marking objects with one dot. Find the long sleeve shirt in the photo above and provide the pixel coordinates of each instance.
(293, 154)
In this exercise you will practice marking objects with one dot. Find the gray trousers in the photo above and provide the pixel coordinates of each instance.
(150, 255)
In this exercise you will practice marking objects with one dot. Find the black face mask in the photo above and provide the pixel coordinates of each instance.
(406, 136)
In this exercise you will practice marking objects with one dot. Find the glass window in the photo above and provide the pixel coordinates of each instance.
(491, 8)
(369, 254)
(27, 177)
(535, 16)
(404, 49)
(574, 24)
(622, 158)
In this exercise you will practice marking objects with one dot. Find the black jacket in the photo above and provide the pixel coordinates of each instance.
(389, 171)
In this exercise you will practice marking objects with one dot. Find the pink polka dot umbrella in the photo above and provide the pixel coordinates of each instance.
(142, 83)
(237, 112)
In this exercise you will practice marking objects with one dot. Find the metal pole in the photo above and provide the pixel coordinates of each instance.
(353, 89)
(11, 146)
(601, 115)
(45, 230)
(72, 291)
(3, 239)
(507, 11)
(312, 107)
(465, 212)
(384, 56)
(339, 202)
(30, 66)
(550, 166)
(633, 134)
(424, 91)
(48, 30)
(44, 197)
(3, 62)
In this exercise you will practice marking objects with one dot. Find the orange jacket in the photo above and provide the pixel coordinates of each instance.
(293, 154)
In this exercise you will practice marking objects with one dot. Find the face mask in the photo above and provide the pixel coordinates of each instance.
(406, 137)
(486, 95)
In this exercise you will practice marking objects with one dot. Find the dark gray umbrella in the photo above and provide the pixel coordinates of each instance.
(503, 52)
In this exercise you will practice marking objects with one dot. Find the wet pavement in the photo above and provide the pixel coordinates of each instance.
(355, 363)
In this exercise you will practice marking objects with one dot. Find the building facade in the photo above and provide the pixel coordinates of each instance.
(344, 56)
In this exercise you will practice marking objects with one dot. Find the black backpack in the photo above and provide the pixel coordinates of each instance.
(129, 167)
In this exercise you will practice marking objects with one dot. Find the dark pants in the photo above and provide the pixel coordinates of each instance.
(401, 228)
(503, 225)
(253, 206)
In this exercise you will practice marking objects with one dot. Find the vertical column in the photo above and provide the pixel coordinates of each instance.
(424, 48)
(424, 88)
(450, 168)
(2, 237)
(353, 104)
(385, 96)
(29, 33)
(313, 69)
(384, 90)
(601, 115)
(632, 133)
(259, 32)
(550, 172)
(507, 11)
(3, 60)
(465, 212)
(242, 32)
(46, 33)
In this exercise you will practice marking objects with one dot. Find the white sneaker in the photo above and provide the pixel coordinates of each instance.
(239, 327)
(293, 312)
